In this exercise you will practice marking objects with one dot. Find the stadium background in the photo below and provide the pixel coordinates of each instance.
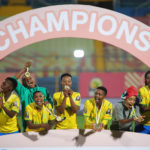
(102, 64)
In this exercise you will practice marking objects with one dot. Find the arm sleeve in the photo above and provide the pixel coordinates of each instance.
(143, 98)
(20, 89)
(86, 113)
(138, 111)
(52, 114)
(56, 100)
(118, 113)
(16, 104)
(78, 99)
(88, 121)
(28, 114)
(108, 116)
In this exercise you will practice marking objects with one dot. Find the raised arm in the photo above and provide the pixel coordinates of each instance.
(22, 71)
(62, 106)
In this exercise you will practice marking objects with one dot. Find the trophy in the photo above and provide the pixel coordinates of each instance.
(27, 74)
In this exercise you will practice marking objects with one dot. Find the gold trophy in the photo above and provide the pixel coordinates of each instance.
(27, 74)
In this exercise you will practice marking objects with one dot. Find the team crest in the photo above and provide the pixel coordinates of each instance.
(78, 98)
(108, 111)
(15, 103)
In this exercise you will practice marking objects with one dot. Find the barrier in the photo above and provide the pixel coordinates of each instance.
(73, 138)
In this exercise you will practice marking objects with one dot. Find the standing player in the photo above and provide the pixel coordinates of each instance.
(144, 93)
(27, 88)
(67, 103)
(97, 111)
(9, 107)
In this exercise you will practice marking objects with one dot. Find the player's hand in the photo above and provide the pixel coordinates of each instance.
(100, 127)
(51, 124)
(137, 120)
(65, 93)
(28, 64)
(94, 126)
(141, 118)
(46, 126)
(70, 92)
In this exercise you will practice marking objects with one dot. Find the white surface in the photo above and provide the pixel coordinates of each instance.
(71, 138)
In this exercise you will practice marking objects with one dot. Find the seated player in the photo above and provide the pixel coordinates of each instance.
(66, 103)
(97, 111)
(127, 113)
(9, 107)
(39, 116)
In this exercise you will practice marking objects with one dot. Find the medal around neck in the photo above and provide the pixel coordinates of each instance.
(98, 114)
(58, 118)
(27, 74)
(66, 87)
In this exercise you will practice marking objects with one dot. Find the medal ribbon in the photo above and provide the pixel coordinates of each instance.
(134, 114)
(98, 114)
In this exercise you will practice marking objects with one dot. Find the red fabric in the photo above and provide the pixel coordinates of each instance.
(131, 92)
(115, 82)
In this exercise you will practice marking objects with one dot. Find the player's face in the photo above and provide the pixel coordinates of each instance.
(129, 102)
(6, 85)
(148, 79)
(38, 98)
(30, 82)
(66, 80)
(99, 96)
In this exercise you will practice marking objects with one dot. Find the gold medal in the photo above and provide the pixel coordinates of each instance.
(27, 74)
(66, 87)
(58, 118)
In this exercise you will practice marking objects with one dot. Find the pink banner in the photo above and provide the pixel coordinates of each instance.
(79, 21)
(115, 83)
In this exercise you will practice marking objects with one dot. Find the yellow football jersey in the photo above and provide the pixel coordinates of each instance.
(7, 124)
(70, 121)
(89, 113)
(38, 117)
(144, 92)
